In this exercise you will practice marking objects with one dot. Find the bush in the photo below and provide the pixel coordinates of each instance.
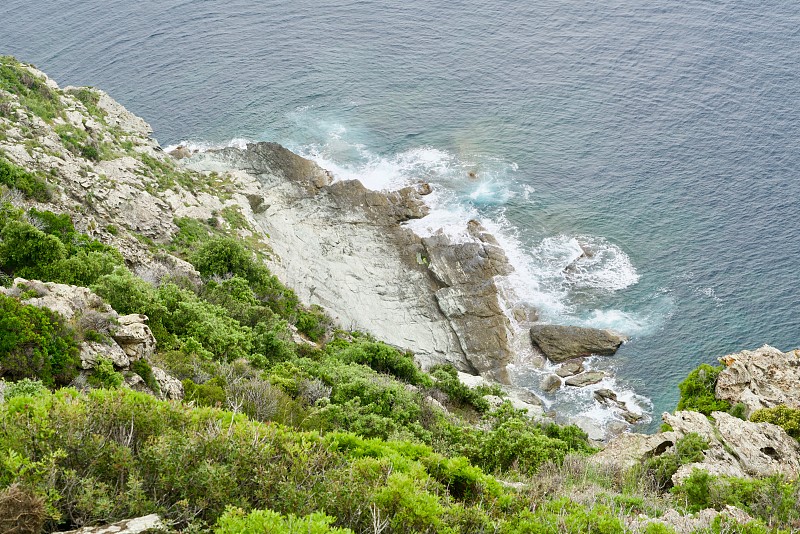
(783, 416)
(457, 392)
(35, 343)
(688, 449)
(697, 391)
(24, 246)
(31, 185)
(235, 521)
(772, 499)
(143, 369)
(104, 376)
(382, 358)
(210, 393)
(24, 388)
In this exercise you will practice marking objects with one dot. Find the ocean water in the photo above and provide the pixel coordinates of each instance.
(663, 138)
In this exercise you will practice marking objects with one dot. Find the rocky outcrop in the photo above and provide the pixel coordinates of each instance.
(470, 298)
(761, 378)
(562, 343)
(343, 247)
(139, 525)
(127, 337)
(135, 337)
(702, 521)
(737, 448)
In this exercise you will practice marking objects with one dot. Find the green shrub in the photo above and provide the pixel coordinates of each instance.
(783, 416)
(772, 499)
(457, 392)
(697, 391)
(24, 388)
(563, 516)
(236, 521)
(143, 369)
(24, 247)
(31, 185)
(210, 393)
(36, 344)
(89, 98)
(104, 376)
(382, 358)
(33, 92)
(688, 449)
(271, 344)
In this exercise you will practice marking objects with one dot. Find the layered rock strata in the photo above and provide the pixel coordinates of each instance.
(343, 246)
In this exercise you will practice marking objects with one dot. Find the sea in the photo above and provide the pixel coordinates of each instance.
(639, 160)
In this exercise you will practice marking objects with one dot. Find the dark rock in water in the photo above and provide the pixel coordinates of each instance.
(570, 368)
(562, 343)
(180, 152)
(550, 383)
(585, 379)
(604, 395)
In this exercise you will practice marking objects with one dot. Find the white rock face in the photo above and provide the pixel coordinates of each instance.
(135, 337)
(138, 525)
(762, 378)
(171, 387)
(343, 247)
(65, 300)
(91, 352)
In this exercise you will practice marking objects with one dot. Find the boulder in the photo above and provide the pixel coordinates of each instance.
(171, 387)
(92, 351)
(135, 337)
(66, 300)
(609, 398)
(762, 378)
(585, 379)
(570, 368)
(139, 525)
(561, 343)
(550, 383)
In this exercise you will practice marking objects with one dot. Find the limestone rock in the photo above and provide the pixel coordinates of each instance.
(585, 379)
(570, 368)
(171, 387)
(701, 521)
(629, 449)
(737, 448)
(139, 525)
(63, 299)
(562, 343)
(762, 378)
(92, 351)
(550, 383)
(135, 337)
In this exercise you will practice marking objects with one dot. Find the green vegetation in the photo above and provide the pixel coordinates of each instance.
(773, 499)
(31, 185)
(35, 343)
(783, 416)
(33, 92)
(688, 449)
(697, 391)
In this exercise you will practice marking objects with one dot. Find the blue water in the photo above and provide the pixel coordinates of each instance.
(663, 134)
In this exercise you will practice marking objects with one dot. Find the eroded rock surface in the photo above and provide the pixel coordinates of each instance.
(139, 525)
(561, 343)
(343, 246)
(761, 378)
